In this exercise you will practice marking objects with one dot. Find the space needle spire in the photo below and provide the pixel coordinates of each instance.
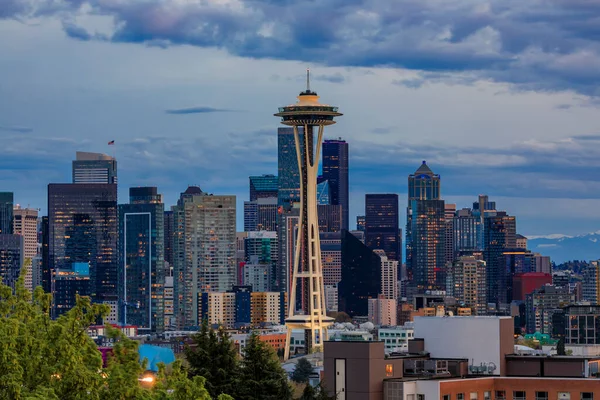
(307, 113)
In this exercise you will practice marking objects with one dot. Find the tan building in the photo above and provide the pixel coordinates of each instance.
(25, 224)
(267, 307)
(217, 308)
(466, 282)
(389, 276)
(382, 311)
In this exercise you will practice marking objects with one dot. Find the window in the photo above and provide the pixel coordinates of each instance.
(541, 395)
(487, 395)
(519, 395)
(446, 397)
(389, 370)
(420, 397)
(587, 396)
(473, 396)
(460, 396)
(500, 395)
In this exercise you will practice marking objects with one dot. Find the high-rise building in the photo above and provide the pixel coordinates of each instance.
(260, 256)
(330, 217)
(94, 168)
(499, 234)
(422, 185)
(389, 276)
(46, 272)
(361, 276)
(468, 231)
(141, 260)
(288, 179)
(428, 229)
(591, 283)
(169, 229)
(11, 258)
(360, 222)
(466, 282)
(25, 224)
(261, 214)
(67, 284)
(204, 250)
(521, 241)
(6, 213)
(335, 170)
(287, 234)
(169, 313)
(323, 196)
(541, 304)
(382, 224)
(267, 308)
(511, 263)
(82, 228)
(308, 114)
(263, 186)
(526, 283)
(581, 325)
(449, 215)
(331, 257)
(382, 311)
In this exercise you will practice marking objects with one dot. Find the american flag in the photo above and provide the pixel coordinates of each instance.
(111, 142)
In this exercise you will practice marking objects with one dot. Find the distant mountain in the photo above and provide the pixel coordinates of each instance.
(563, 248)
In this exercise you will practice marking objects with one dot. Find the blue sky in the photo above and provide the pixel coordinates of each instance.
(500, 97)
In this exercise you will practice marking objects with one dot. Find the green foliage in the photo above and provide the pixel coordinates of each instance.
(303, 370)
(340, 316)
(213, 356)
(560, 347)
(261, 374)
(42, 359)
(316, 393)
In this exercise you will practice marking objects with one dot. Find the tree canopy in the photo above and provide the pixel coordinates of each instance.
(45, 359)
(303, 370)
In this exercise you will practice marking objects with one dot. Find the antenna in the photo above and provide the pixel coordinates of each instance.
(308, 79)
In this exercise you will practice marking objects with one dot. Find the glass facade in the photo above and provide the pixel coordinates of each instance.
(67, 284)
(82, 228)
(6, 212)
(288, 180)
(94, 168)
(335, 170)
(263, 186)
(428, 227)
(11, 258)
(499, 235)
(361, 276)
(141, 260)
(381, 224)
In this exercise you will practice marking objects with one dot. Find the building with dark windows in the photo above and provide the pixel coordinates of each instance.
(263, 186)
(499, 234)
(465, 281)
(468, 231)
(168, 234)
(382, 225)
(330, 217)
(94, 168)
(360, 223)
(323, 192)
(360, 277)
(288, 179)
(6, 212)
(513, 262)
(46, 272)
(422, 185)
(582, 324)
(141, 260)
(428, 229)
(261, 214)
(260, 250)
(11, 258)
(67, 284)
(82, 228)
(541, 304)
(335, 170)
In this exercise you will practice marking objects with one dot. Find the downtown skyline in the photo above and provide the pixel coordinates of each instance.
(188, 114)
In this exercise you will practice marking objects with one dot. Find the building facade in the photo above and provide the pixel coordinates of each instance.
(382, 225)
(6, 212)
(82, 228)
(288, 178)
(499, 235)
(335, 170)
(25, 224)
(261, 214)
(466, 282)
(263, 186)
(11, 258)
(142, 270)
(428, 229)
(94, 168)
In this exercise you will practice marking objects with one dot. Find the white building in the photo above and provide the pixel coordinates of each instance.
(389, 276)
(25, 224)
(257, 276)
(331, 298)
(383, 312)
(396, 338)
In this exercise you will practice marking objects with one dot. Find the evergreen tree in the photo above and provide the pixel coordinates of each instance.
(261, 374)
(303, 370)
(213, 356)
(316, 393)
(560, 347)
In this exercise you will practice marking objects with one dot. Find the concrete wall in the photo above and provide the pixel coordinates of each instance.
(479, 339)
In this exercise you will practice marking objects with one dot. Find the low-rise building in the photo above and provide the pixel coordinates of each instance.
(396, 338)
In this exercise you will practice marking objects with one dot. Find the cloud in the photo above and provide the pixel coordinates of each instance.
(334, 78)
(551, 45)
(586, 137)
(563, 106)
(196, 110)
(20, 129)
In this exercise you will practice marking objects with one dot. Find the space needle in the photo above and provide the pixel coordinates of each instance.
(307, 274)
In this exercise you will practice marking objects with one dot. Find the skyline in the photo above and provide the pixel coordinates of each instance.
(178, 111)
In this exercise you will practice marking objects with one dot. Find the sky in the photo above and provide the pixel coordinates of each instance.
(500, 97)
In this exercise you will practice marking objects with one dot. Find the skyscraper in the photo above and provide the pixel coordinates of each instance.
(288, 179)
(382, 224)
(82, 228)
(466, 282)
(25, 224)
(6, 212)
(360, 223)
(428, 229)
(499, 234)
(260, 249)
(263, 186)
(261, 214)
(141, 260)
(94, 168)
(335, 170)
(168, 232)
(204, 250)
(11, 258)
(422, 185)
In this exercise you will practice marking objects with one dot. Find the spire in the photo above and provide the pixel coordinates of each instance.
(307, 79)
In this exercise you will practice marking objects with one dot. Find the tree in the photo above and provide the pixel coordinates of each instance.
(261, 374)
(212, 355)
(316, 393)
(303, 370)
(560, 347)
(340, 316)
(45, 359)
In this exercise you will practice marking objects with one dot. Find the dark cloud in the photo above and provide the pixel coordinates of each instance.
(409, 83)
(544, 45)
(586, 137)
(564, 106)
(20, 129)
(196, 110)
(334, 78)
